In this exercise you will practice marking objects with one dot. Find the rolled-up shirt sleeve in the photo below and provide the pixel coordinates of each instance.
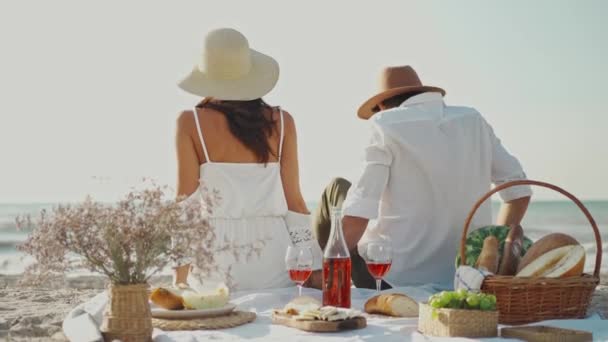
(363, 198)
(506, 168)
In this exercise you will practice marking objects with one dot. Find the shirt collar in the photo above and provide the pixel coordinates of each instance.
(429, 105)
(422, 98)
(423, 106)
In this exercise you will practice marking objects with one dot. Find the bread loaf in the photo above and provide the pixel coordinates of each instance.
(488, 258)
(393, 304)
(511, 254)
(166, 299)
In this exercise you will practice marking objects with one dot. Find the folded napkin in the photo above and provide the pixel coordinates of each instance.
(469, 278)
(300, 233)
(83, 322)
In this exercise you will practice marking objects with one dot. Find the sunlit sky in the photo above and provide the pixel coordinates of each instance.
(89, 99)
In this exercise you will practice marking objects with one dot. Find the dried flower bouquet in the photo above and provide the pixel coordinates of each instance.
(128, 241)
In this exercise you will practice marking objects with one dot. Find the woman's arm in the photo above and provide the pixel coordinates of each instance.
(187, 174)
(290, 174)
(188, 165)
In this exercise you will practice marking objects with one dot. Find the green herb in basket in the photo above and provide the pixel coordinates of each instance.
(474, 243)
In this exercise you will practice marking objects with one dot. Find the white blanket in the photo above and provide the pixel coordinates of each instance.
(82, 323)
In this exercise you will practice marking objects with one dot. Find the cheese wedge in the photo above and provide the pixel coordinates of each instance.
(210, 300)
(301, 304)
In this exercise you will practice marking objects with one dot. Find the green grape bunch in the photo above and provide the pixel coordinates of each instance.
(463, 299)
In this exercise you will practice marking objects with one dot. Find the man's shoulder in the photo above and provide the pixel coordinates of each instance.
(401, 114)
(462, 111)
(392, 115)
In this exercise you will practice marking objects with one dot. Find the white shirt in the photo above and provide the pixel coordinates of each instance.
(424, 168)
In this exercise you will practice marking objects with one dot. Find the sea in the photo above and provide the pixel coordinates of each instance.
(542, 217)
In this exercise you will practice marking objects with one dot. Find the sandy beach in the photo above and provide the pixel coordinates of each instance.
(36, 314)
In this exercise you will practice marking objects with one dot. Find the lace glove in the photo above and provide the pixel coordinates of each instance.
(300, 233)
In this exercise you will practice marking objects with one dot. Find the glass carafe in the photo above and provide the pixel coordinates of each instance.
(336, 265)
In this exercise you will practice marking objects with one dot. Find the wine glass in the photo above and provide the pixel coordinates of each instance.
(378, 256)
(298, 260)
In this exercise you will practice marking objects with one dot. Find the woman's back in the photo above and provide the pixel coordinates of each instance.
(223, 146)
(246, 187)
(251, 208)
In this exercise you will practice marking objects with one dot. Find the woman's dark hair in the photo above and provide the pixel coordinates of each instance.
(249, 122)
(397, 100)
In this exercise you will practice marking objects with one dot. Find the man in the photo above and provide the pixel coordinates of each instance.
(425, 166)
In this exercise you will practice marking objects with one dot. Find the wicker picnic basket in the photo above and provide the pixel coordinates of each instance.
(524, 300)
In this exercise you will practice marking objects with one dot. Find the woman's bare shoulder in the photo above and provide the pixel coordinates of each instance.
(185, 117)
(185, 121)
(286, 115)
(290, 123)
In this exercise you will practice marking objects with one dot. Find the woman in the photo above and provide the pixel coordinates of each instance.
(246, 150)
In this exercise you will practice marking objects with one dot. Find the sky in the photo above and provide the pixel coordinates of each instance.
(89, 96)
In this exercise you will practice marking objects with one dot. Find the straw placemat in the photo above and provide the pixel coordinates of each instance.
(234, 319)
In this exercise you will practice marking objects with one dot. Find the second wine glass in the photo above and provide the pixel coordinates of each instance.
(378, 256)
(299, 261)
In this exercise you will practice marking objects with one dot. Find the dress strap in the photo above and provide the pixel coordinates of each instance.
(200, 136)
(282, 134)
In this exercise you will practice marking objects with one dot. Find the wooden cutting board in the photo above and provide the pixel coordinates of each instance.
(320, 326)
(541, 333)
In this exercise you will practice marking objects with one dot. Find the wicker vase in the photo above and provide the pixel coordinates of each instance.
(127, 316)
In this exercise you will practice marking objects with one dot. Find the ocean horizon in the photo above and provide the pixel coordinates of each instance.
(543, 217)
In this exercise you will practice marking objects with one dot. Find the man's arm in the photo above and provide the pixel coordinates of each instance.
(512, 212)
(363, 198)
(505, 168)
(353, 227)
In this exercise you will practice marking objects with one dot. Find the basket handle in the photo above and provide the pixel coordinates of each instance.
(598, 239)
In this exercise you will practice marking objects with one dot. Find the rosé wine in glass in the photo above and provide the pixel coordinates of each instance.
(378, 256)
(298, 261)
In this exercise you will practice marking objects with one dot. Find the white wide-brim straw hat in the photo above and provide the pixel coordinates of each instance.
(230, 70)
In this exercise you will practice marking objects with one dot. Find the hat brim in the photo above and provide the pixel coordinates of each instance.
(260, 80)
(366, 110)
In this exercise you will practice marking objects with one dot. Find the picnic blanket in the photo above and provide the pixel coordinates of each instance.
(82, 323)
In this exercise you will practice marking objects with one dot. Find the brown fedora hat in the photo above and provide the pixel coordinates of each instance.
(395, 81)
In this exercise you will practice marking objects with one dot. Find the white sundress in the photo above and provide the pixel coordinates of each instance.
(252, 208)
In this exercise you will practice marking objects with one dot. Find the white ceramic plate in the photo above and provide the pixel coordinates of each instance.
(164, 313)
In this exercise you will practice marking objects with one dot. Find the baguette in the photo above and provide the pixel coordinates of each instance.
(167, 299)
(394, 304)
(488, 258)
(511, 254)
